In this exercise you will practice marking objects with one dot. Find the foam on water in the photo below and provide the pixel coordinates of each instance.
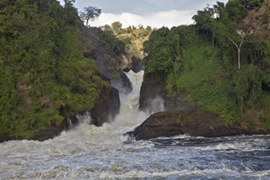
(89, 152)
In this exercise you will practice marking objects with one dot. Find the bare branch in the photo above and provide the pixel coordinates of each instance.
(232, 41)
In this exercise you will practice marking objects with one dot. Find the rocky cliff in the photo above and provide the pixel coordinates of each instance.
(153, 96)
(181, 116)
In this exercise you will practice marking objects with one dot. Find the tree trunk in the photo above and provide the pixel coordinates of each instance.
(239, 58)
(238, 49)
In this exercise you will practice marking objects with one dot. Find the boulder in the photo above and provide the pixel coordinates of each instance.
(194, 122)
(181, 116)
(106, 106)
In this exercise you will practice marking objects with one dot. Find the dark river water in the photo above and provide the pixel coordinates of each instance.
(89, 152)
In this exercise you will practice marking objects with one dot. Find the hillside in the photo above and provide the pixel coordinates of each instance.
(217, 65)
(49, 72)
(258, 20)
(133, 37)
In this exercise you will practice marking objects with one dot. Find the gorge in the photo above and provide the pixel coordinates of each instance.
(80, 102)
(90, 152)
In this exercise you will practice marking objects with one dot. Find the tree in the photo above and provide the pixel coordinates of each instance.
(242, 34)
(69, 1)
(117, 27)
(90, 13)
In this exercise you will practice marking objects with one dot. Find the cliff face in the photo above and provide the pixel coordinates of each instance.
(258, 21)
(109, 55)
(106, 106)
(154, 98)
(181, 116)
(194, 71)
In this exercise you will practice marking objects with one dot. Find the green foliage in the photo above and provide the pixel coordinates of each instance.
(200, 60)
(109, 41)
(132, 37)
(8, 96)
(44, 76)
(90, 13)
(265, 118)
(168, 52)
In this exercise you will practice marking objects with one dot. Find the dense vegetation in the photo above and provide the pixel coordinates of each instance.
(44, 76)
(132, 37)
(202, 60)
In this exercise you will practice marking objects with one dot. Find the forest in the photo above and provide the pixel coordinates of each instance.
(48, 62)
(221, 61)
(48, 73)
(44, 75)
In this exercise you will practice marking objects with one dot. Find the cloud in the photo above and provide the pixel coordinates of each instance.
(163, 18)
(143, 7)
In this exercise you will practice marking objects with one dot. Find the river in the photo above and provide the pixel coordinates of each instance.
(89, 152)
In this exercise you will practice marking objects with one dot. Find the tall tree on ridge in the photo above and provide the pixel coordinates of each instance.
(90, 13)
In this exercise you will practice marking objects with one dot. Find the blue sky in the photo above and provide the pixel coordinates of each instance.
(156, 13)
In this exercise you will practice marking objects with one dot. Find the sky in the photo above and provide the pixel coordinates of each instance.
(154, 13)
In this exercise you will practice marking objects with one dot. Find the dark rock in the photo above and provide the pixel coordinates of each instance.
(109, 64)
(195, 122)
(55, 129)
(136, 64)
(123, 83)
(5, 137)
(111, 67)
(47, 133)
(153, 96)
(106, 106)
(181, 116)
(152, 88)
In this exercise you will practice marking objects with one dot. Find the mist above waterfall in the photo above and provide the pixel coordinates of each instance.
(155, 105)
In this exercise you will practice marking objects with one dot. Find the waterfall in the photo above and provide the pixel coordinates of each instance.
(90, 152)
(111, 134)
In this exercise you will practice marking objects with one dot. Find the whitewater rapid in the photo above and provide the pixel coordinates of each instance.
(89, 152)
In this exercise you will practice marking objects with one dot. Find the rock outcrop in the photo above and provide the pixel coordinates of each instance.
(55, 129)
(152, 88)
(153, 97)
(109, 64)
(48, 132)
(181, 116)
(121, 83)
(195, 122)
(106, 106)
(136, 64)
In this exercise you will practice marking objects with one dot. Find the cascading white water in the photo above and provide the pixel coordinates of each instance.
(89, 152)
